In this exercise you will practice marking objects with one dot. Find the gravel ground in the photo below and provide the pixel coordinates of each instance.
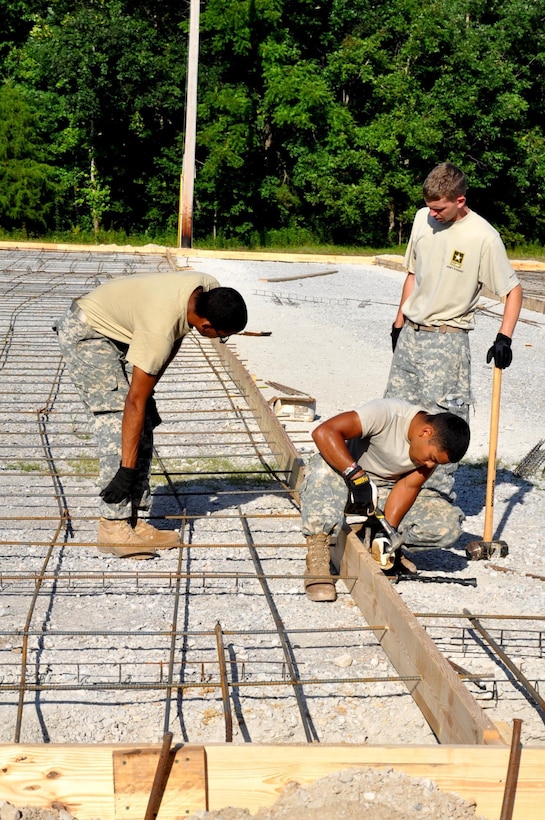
(351, 794)
(330, 339)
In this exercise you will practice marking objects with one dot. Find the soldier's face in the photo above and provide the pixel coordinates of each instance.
(425, 454)
(447, 210)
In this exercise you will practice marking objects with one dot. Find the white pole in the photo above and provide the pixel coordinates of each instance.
(188, 169)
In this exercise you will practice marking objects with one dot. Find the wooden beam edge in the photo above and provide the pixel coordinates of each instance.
(451, 712)
(81, 777)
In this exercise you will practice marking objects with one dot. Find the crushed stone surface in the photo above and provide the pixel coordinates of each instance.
(351, 794)
(330, 339)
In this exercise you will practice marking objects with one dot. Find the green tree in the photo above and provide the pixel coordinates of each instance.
(28, 185)
(313, 115)
(117, 76)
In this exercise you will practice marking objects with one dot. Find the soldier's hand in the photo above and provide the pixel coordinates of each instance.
(362, 493)
(153, 413)
(120, 486)
(500, 351)
(394, 335)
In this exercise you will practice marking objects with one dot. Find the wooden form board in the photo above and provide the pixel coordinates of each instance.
(81, 778)
(184, 791)
(253, 776)
(271, 256)
(109, 782)
(451, 712)
(184, 253)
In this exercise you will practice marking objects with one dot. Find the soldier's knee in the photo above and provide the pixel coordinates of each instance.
(434, 531)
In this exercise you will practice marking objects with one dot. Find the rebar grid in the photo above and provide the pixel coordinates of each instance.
(200, 641)
(94, 635)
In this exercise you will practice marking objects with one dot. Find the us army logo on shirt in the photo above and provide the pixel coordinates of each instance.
(457, 259)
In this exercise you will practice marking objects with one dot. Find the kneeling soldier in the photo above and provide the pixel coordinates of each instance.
(380, 454)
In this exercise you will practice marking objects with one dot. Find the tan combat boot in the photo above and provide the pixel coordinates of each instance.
(158, 539)
(117, 537)
(319, 585)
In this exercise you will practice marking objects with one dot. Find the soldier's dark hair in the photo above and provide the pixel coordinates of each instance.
(450, 434)
(446, 180)
(224, 308)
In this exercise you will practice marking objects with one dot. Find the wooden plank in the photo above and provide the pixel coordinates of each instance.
(81, 777)
(271, 256)
(297, 276)
(105, 781)
(78, 777)
(61, 247)
(134, 772)
(252, 776)
(534, 303)
(450, 710)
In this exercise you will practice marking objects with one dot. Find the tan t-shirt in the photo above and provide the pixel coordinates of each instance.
(451, 263)
(147, 311)
(383, 449)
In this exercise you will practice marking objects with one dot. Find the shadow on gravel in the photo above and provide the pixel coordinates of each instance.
(201, 497)
(470, 489)
(438, 560)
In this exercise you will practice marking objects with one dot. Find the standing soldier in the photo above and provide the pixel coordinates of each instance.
(452, 253)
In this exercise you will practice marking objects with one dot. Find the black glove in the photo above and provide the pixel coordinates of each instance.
(362, 494)
(501, 352)
(120, 486)
(394, 334)
(153, 413)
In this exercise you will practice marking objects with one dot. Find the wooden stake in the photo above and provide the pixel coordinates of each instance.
(492, 455)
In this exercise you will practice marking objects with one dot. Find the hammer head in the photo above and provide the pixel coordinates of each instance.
(482, 550)
(396, 540)
(395, 537)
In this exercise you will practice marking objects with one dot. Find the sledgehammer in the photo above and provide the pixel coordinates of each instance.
(477, 550)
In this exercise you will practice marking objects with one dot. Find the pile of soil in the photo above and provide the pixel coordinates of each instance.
(10, 812)
(352, 794)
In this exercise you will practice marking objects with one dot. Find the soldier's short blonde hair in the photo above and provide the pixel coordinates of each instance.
(446, 180)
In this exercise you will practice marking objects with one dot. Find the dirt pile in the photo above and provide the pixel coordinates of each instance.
(352, 794)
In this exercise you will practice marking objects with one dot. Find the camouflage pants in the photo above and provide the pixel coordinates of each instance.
(426, 369)
(101, 374)
(432, 521)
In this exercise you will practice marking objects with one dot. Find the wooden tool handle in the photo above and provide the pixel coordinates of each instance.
(492, 448)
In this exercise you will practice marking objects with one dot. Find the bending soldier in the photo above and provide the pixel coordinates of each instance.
(117, 342)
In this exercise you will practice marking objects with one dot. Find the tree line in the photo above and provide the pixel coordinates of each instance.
(317, 119)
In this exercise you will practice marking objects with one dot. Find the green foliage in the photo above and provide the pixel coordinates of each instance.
(316, 119)
(27, 183)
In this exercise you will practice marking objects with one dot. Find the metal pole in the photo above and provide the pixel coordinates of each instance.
(159, 781)
(188, 169)
(180, 211)
(512, 773)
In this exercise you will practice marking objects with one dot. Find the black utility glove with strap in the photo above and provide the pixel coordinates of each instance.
(120, 486)
(153, 413)
(501, 352)
(361, 493)
(394, 335)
